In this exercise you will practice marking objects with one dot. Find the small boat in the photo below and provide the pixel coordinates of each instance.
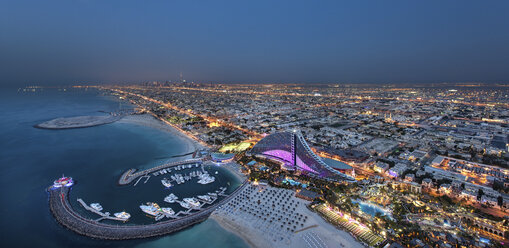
(168, 211)
(185, 204)
(166, 182)
(150, 208)
(192, 202)
(171, 198)
(122, 215)
(205, 198)
(96, 206)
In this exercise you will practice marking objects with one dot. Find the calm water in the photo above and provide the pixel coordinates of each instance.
(370, 209)
(30, 159)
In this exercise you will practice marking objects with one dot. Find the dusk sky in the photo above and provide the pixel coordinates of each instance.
(65, 42)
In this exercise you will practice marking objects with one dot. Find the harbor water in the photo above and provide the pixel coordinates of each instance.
(95, 157)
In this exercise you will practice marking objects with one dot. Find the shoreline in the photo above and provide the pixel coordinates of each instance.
(237, 230)
(255, 234)
(150, 121)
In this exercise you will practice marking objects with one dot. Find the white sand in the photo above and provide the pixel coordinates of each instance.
(258, 233)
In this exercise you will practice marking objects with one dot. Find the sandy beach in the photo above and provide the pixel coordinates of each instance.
(313, 231)
(150, 121)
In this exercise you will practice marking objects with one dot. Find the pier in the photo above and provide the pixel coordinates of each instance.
(68, 217)
(103, 215)
(130, 175)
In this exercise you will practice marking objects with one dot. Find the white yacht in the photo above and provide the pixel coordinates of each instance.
(205, 198)
(184, 204)
(166, 182)
(193, 202)
(171, 198)
(150, 208)
(96, 206)
(206, 179)
(168, 211)
(122, 215)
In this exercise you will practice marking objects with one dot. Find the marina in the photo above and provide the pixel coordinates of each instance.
(64, 213)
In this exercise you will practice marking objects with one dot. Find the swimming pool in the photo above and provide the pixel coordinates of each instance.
(370, 208)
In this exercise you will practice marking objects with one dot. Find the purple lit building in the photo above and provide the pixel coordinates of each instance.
(292, 149)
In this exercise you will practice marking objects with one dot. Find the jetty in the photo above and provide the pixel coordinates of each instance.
(131, 174)
(103, 215)
(64, 213)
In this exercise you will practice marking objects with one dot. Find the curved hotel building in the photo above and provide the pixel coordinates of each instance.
(292, 150)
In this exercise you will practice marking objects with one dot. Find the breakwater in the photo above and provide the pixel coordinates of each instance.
(68, 217)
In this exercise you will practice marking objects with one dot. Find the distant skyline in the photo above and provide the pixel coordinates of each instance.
(67, 42)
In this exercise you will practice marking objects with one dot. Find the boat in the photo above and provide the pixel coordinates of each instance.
(168, 211)
(122, 215)
(170, 198)
(63, 181)
(205, 198)
(150, 208)
(216, 173)
(193, 202)
(184, 204)
(166, 182)
(96, 206)
(212, 194)
(206, 179)
(159, 216)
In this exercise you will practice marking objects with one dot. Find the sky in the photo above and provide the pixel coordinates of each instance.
(55, 42)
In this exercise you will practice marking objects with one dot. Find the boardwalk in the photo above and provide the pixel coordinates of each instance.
(130, 175)
(65, 215)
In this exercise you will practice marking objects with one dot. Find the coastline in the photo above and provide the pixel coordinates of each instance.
(148, 120)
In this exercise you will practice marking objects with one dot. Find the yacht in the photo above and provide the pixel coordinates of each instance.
(159, 216)
(205, 198)
(206, 179)
(63, 181)
(184, 204)
(170, 198)
(96, 206)
(150, 208)
(122, 215)
(166, 182)
(193, 202)
(168, 211)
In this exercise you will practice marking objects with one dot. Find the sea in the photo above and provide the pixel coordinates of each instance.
(95, 157)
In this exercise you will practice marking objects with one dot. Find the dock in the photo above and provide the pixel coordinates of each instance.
(103, 215)
(130, 175)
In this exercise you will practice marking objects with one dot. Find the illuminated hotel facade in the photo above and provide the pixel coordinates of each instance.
(292, 150)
